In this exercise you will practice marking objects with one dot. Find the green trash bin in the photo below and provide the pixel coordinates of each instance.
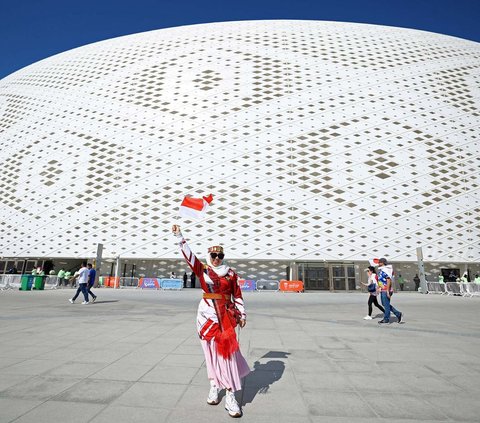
(39, 282)
(26, 282)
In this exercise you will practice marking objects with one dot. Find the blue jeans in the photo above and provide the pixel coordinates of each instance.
(82, 287)
(388, 307)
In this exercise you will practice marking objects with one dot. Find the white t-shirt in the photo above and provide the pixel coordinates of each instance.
(83, 275)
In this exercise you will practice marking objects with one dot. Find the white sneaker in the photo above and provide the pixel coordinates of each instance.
(367, 318)
(85, 302)
(231, 405)
(213, 396)
(72, 301)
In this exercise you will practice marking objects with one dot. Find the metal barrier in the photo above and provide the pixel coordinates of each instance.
(453, 288)
(128, 282)
(10, 282)
(436, 288)
(471, 289)
(51, 282)
(267, 285)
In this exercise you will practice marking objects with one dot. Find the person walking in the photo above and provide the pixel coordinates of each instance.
(220, 310)
(385, 275)
(92, 273)
(192, 280)
(82, 284)
(372, 286)
(185, 278)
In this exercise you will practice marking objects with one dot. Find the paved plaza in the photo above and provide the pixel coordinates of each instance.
(134, 356)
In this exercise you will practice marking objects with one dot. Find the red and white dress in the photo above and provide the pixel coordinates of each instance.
(218, 312)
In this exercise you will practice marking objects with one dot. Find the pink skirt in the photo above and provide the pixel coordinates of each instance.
(225, 373)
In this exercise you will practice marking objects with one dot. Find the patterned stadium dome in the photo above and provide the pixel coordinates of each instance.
(318, 140)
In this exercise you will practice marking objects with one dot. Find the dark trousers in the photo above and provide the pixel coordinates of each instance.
(82, 287)
(372, 299)
(90, 292)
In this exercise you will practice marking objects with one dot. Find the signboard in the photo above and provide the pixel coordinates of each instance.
(148, 283)
(171, 283)
(291, 286)
(247, 284)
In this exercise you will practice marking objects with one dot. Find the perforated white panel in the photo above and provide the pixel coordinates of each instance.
(319, 141)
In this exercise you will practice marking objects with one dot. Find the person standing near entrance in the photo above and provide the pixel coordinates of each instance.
(385, 275)
(82, 284)
(372, 286)
(416, 279)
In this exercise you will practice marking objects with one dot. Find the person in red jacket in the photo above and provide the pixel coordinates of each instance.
(220, 310)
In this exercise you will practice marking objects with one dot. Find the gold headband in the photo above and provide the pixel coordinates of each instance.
(215, 249)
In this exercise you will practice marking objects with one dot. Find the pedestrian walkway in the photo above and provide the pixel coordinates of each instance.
(133, 356)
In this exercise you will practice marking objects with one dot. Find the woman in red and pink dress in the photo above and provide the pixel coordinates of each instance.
(219, 312)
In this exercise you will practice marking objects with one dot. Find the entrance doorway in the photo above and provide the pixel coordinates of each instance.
(328, 276)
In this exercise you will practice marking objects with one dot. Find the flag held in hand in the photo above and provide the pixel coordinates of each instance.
(195, 208)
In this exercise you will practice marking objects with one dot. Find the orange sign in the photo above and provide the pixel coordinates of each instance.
(291, 286)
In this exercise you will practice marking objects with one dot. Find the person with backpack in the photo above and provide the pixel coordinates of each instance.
(372, 286)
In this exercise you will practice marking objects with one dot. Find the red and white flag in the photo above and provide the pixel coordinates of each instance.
(195, 207)
(374, 261)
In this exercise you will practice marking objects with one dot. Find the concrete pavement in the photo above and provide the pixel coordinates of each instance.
(134, 356)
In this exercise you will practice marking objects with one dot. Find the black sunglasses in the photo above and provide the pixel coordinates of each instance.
(215, 255)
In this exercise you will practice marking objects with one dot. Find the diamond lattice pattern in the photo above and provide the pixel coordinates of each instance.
(319, 141)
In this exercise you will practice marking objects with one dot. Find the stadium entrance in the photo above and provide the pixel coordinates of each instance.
(327, 276)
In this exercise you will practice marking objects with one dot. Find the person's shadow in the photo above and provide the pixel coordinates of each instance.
(263, 375)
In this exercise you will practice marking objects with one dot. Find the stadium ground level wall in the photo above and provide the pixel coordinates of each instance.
(320, 276)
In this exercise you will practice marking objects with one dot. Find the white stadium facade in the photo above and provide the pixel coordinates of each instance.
(324, 144)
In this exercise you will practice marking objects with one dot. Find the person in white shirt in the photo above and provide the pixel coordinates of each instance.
(82, 284)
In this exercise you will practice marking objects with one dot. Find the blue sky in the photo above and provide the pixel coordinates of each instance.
(31, 30)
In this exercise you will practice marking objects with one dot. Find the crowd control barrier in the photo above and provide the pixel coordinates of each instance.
(291, 286)
(472, 289)
(267, 285)
(128, 282)
(171, 283)
(148, 283)
(247, 284)
(436, 288)
(10, 282)
(158, 283)
(453, 288)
